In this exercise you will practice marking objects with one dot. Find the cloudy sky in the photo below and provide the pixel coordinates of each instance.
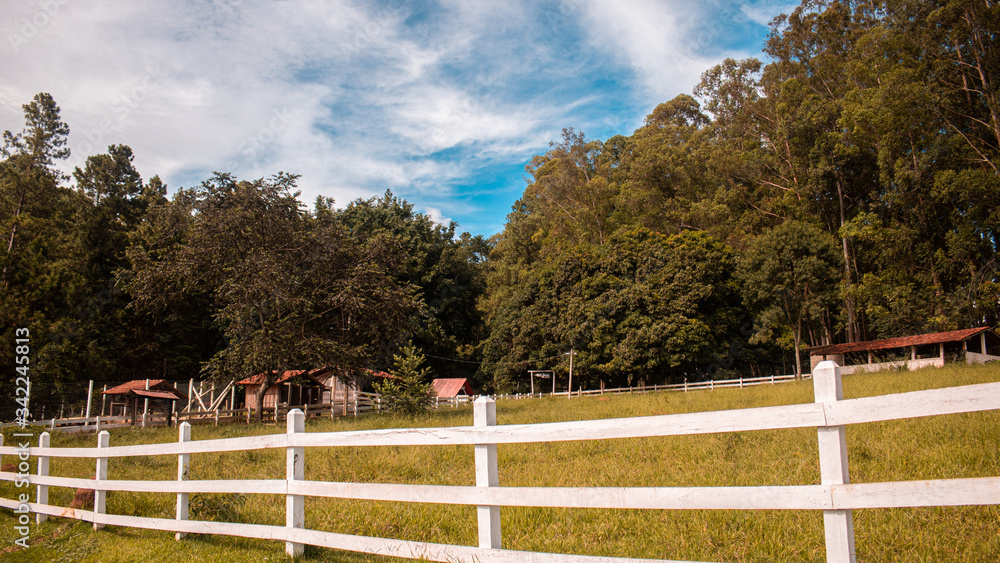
(441, 102)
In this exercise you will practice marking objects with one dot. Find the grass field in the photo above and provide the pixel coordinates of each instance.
(937, 447)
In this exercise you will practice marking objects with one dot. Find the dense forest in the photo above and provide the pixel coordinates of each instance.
(843, 188)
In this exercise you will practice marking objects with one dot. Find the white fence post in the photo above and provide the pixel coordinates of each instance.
(42, 495)
(487, 474)
(838, 524)
(295, 516)
(103, 439)
(183, 468)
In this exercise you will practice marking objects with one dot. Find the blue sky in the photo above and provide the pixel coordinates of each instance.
(441, 102)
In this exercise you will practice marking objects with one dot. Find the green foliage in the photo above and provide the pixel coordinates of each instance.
(288, 289)
(643, 305)
(410, 391)
(444, 270)
(790, 275)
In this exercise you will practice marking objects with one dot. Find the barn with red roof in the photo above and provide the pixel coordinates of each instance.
(450, 388)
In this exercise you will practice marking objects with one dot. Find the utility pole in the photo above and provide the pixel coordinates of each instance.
(569, 390)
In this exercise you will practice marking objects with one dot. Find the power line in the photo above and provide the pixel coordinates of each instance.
(497, 363)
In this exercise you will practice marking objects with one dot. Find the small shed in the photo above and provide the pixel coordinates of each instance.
(294, 387)
(973, 345)
(125, 398)
(450, 388)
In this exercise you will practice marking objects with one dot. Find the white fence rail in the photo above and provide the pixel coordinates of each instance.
(686, 386)
(835, 495)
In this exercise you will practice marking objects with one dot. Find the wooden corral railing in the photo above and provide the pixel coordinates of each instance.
(835, 496)
(364, 403)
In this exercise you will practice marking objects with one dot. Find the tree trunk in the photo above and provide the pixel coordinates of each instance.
(13, 232)
(852, 321)
(259, 399)
(798, 341)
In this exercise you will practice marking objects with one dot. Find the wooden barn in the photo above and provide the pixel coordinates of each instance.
(450, 388)
(294, 387)
(971, 345)
(129, 399)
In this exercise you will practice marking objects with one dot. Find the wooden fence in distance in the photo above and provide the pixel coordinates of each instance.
(835, 496)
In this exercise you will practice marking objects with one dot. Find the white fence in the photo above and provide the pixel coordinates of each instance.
(686, 386)
(835, 495)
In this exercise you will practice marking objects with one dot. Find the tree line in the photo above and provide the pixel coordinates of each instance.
(224, 280)
(845, 189)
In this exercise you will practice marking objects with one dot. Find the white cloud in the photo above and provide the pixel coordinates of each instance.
(355, 98)
(762, 13)
(434, 214)
(653, 38)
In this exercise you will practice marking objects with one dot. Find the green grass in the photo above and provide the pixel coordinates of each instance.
(954, 446)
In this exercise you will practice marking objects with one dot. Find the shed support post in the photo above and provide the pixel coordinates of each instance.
(487, 474)
(103, 439)
(183, 469)
(838, 524)
(42, 494)
(982, 343)
(145, 406)
(295, 471)
(90, 397)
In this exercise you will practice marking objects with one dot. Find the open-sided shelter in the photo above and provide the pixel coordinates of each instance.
(126, 398)
(973, 345)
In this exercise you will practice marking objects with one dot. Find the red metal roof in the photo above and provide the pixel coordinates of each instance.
(900, 342)
(309, 374)
(124, 388)
(156, 394)
(450, 387)
(158, 389)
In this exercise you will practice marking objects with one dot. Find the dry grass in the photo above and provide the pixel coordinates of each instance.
(938, 447)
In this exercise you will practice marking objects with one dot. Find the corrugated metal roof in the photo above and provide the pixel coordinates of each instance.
(124, 388)
(156, 394)
(138, 387)
(900, 342)
(309, 374)
(450, 387)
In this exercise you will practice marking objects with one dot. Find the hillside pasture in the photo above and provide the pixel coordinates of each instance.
(954, 446)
